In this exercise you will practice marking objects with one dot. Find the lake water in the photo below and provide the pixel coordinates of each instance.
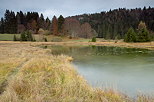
(129, 70)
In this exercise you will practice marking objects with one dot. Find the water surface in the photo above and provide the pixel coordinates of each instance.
(128, 70)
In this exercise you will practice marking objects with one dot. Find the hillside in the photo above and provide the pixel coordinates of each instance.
(115, 23)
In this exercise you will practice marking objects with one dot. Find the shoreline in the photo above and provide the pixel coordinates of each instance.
(146, 45)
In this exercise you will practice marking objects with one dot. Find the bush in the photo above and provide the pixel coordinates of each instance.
(45, 39)
(57, 39)
(93, 39)
(26, 36)
(14, 38)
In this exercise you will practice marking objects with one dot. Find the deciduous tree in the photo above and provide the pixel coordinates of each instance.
(54, 26)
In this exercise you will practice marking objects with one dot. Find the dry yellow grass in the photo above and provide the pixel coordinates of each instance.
(145, 45)
(32, 74)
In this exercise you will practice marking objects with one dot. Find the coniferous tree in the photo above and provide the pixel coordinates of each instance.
(7, 22)
(10, 22)
(130, 35)
(41, 22)
(2, 26)
(47, 24)
(60, 23)
(143, 33)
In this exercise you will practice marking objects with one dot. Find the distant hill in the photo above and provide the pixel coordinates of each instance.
(115, 23)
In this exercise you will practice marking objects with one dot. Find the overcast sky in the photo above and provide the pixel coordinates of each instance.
(69, 7)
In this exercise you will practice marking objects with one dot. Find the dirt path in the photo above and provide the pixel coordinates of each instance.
(11, 75)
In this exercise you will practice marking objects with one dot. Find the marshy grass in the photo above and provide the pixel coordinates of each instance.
(34, 75)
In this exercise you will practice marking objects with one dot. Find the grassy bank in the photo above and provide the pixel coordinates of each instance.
(32, 74)
(61, 40)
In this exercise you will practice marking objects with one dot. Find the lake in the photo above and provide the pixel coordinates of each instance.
(128, 70)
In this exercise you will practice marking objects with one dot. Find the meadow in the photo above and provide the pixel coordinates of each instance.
(33, 74)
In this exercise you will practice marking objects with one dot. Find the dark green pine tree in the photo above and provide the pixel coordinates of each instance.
(10, 22)
(60, 23)
(7, 21)
(130, 35)
(47, 23)
(2, 26)
(143, 35)
(41, 22)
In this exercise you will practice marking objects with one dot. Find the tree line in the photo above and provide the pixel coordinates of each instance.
(115, 23)
(19, 22)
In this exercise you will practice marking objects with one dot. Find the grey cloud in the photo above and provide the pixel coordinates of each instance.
(69, 7)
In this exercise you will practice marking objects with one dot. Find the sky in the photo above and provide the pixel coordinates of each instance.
(49, 8)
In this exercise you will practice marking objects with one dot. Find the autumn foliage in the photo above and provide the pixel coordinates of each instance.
(75, 29)
(54, 26)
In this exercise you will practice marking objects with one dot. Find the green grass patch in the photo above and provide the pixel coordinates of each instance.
(8, 37)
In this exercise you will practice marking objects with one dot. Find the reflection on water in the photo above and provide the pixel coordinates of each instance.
(127, 69)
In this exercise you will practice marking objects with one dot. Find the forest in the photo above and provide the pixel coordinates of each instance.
(112, 24)
(115, 23)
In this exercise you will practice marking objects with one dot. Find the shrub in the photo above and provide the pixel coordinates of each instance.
(70, 37)
(93, 39)
(45, 39)
(26, 36)
(14, 38)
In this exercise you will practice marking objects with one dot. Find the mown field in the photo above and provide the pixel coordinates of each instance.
(31, 74)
